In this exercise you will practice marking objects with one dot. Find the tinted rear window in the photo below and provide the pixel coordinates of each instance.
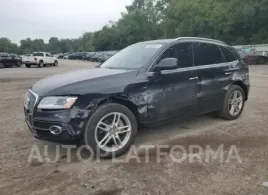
(205, 54)
(229, 57)
(38, 54)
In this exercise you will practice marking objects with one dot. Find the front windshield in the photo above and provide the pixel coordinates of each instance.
(132, 57)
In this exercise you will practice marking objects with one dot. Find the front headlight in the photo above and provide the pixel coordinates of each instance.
(57, 102)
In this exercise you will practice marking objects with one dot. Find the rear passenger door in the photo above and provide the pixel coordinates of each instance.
(211, 72)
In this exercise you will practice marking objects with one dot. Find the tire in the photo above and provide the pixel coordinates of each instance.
(19, 64)
(261, 60)
(55, 63)
(28, 65)
(2, 65)
(41, 64)
(225, 111)
(91, 138)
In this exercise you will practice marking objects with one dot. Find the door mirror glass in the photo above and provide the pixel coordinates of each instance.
(167, 64)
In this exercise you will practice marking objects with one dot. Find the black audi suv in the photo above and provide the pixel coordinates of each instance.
(145, 83)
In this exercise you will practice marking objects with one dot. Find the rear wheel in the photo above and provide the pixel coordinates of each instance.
(19, 64)
(233, 104)
(111, 130)
(261, 61)
(41, 64)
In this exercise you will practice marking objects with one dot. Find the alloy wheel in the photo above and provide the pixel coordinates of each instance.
(235, 103)
(113, 132)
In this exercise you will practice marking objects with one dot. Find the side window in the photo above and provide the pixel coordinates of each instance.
(206, 54)
(229, 57)
(183, 52)
(169, 53)
(47, 55)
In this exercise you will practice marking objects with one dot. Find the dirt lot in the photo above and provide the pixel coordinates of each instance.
(249, 134)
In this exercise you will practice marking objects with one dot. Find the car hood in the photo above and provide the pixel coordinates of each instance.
(83, 81)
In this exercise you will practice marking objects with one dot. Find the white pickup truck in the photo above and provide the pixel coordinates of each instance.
(41, 59)
(25, 57)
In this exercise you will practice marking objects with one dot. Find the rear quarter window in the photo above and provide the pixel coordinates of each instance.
(206, 54)
(229, 56)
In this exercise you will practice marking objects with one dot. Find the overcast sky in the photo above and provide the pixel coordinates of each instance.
(20, 19)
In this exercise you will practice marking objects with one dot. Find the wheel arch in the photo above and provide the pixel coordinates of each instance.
(243, 86)
(125, 102)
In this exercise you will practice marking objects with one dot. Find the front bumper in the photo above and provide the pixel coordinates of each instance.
(72, 122)
(42, 129)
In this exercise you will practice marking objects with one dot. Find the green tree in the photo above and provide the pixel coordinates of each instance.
(227, 20)
(7, 46)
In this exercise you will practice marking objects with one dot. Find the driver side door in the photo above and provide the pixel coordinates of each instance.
(179, 86)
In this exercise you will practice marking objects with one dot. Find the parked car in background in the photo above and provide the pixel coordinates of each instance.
(41, 59)
(8, 60)
(89, 56)
(60, 56)
(96, 57)
(66, 56)
(103, 57)
(77, 56)
(166, 79)
(63, 56)
(252, 56)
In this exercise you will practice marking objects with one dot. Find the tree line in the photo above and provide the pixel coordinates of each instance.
(233, 21)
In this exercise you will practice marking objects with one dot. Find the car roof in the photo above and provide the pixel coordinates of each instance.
(160, 41)
(199, 39)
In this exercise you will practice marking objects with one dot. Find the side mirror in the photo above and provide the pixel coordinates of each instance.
(167, 64)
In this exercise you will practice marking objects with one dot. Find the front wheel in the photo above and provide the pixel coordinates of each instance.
(111, 130)
(233, 104)
(55, 63)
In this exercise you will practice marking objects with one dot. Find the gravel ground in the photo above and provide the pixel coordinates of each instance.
(247, 136)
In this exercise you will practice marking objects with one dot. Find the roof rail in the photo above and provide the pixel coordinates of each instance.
(200, 38)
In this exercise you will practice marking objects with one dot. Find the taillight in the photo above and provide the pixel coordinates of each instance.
(246, 56)
(35, 59)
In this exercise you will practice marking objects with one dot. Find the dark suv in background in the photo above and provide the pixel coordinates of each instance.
(8, 60)
(145, 83)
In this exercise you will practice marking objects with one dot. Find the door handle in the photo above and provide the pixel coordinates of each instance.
(193, 78)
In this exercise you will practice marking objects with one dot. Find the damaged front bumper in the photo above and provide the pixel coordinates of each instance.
(57, 125)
